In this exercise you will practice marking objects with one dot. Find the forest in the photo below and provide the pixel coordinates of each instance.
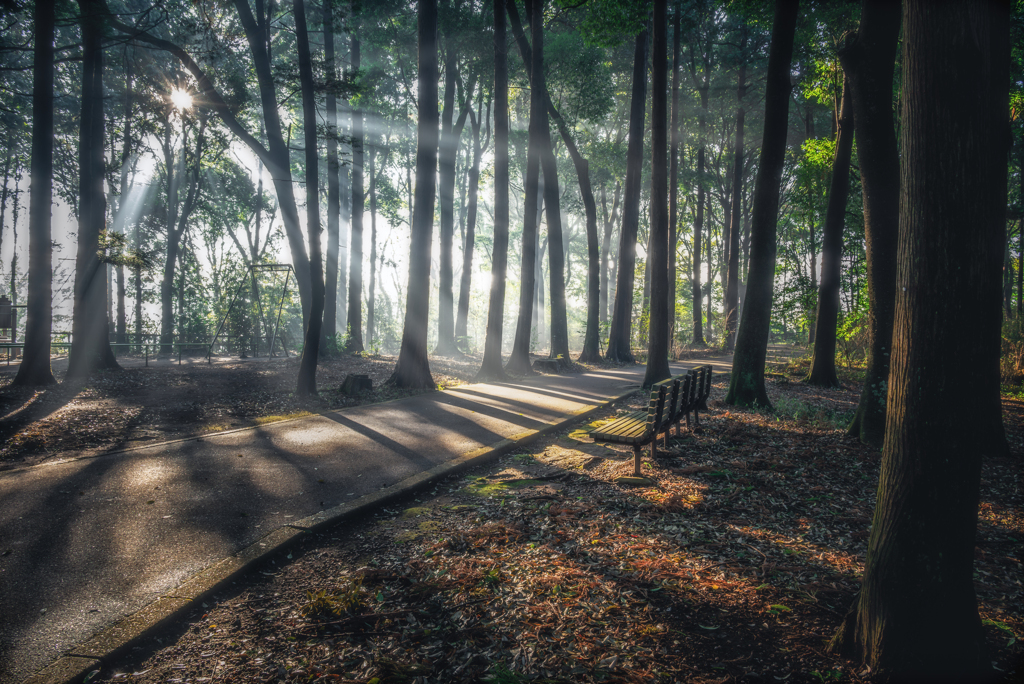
(587, 183)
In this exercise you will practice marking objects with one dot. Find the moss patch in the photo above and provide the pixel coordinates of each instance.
(415, 512)
(485, 488)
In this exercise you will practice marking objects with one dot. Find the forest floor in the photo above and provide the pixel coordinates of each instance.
(164, 401)
(735, 565)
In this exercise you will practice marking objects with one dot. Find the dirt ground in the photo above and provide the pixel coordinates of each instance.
(734, 564)
(164, 400)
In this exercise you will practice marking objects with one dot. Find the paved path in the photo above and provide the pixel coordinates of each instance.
(86, 542)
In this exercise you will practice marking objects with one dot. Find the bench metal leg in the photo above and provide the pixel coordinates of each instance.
(636, 461)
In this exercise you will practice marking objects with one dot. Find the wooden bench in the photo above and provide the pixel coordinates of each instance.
(694, 389)
(639, 428)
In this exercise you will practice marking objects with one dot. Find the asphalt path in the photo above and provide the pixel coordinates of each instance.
(86, 542)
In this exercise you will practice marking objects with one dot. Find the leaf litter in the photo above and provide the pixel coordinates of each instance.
(735, 565)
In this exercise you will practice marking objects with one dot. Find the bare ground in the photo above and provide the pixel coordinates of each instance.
(735, 564)
(164, 400)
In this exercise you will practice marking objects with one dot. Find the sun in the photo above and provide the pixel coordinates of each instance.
(181, 99)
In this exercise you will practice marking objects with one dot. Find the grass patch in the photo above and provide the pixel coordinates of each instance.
(263, 420)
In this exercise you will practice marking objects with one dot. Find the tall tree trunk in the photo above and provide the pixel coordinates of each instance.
(698, 225)
(619, 349)
(462, 315)
(732, 287)
(591, 340)
(673, 177)
(306, 384)
(747, 384)
(372, 294)
(491, 368)
(121, 326)
(868, 59)
(657, 255)
(916, 616)
(519, 360)
(446, 200)
(35, 363)
(413, 369)
(330, 326)
(344, 240)
(90, 348)
(823, 363)
(606, 248)
(177, 223)
(355, 246)
(451, 133)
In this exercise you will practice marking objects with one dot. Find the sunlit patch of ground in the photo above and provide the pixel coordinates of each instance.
(736, 564)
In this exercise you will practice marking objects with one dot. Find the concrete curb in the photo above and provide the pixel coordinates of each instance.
(78, 664)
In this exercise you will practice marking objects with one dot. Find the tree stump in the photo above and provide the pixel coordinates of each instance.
(356, 384)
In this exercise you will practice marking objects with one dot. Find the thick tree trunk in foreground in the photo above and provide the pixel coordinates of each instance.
(354, 317)
(619, 349)
(330, 325)
(657, 339)
(35, 362)
(413, 369)
(823, 363)
(732, 284)
(311, 347)
(90, 348)
(747, 384)
(916, 615)
(519, 360)
(868, 58)
(491, 366)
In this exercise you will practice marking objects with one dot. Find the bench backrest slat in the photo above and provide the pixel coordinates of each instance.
(656, 409)
(706, 390)
(671, 400)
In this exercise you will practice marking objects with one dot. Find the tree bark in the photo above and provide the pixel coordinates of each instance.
(747, 385)
(490, 368)
(451, 133)
(619, 348)
(697, 296)
(673, 178)
(35, 362)
(732, 287)
(311, 347)
(591, 339)
(657, 256)
(916, 616)
(519, 360)
(606, 248)
(868, 58)
(330, 325)
(90, 348)
(413, 368)
(462, 314)
(823, 363)
(354, 317)
(371, 296)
